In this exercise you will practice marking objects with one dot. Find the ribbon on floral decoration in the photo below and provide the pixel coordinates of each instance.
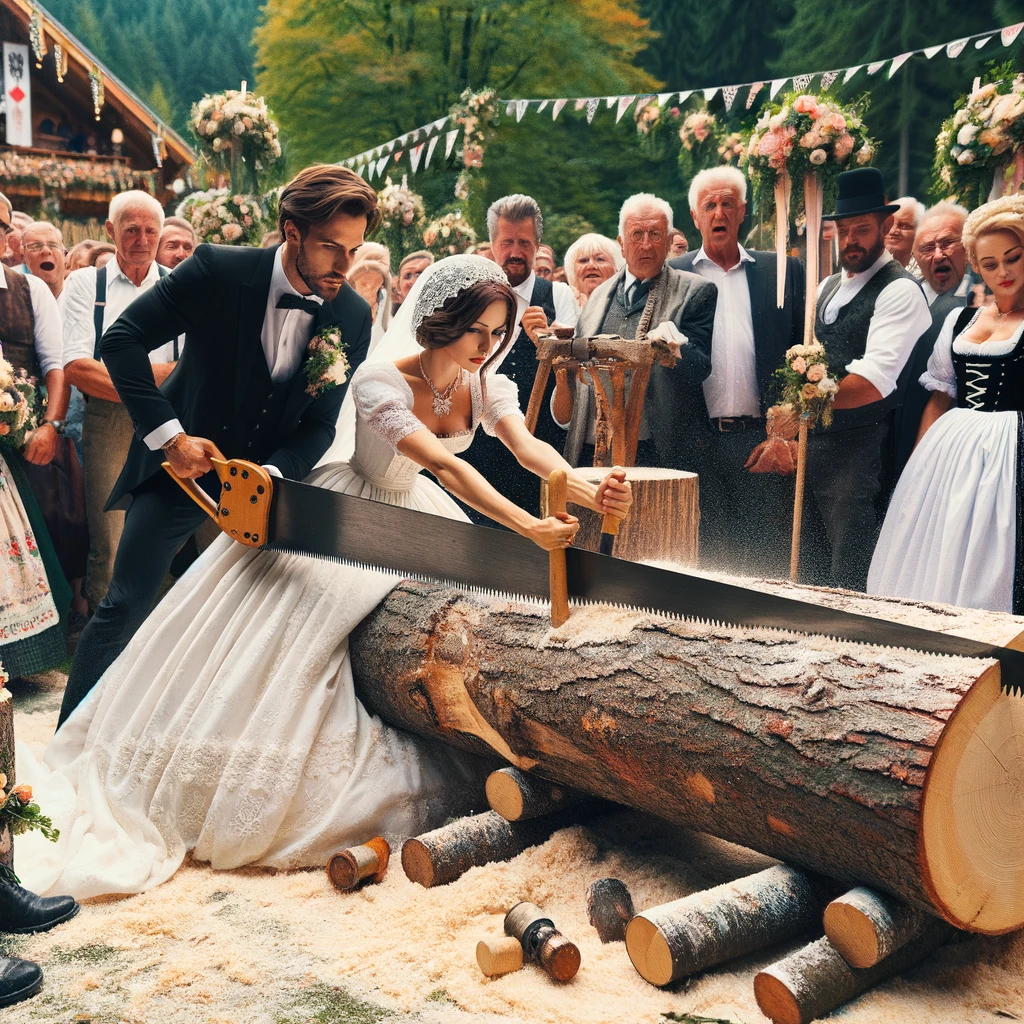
(813, 208)
(783, 192)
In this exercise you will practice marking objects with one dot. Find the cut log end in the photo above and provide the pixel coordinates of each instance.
(776, 1001)
(504, 795)
(649, 951)
(417, 863)
(348, 869)
(500, 955)
(867, 926)
(559, 957)
(972, 839)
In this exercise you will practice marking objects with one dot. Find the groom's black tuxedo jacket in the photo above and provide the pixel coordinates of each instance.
(221, 387)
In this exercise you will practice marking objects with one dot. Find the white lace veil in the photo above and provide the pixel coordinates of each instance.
(433, 288)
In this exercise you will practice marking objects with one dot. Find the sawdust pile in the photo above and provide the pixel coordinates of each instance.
(254, 946)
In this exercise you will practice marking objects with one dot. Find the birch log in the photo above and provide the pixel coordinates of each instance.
(867, 927)
(888, 768)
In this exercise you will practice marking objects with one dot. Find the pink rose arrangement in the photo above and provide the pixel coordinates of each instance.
(18, 406)
(222, 218)
(700, 135)
(475, 113)
(982, 143)
(806, 385)
(449, 234)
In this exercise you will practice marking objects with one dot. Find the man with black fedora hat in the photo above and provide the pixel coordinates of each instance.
(869, 316)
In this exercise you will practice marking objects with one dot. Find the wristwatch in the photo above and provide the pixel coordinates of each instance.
(57, 425)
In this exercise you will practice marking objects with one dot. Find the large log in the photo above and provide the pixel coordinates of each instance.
(893, 769)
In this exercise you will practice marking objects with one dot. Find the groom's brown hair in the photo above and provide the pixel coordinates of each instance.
(322, 191)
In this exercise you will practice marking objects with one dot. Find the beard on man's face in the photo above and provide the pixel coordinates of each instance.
(853, 259)
(517, 270)
(325, 286)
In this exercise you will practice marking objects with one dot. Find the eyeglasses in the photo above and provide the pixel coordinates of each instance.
(942, 245)
(35, 247)
(654, 235)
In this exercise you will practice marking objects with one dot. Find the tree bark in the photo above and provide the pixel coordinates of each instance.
(815, 980)
(867, 764)
(708, 928)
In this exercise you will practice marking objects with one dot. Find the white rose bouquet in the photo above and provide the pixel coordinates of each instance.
(449, 234)
(222, 218)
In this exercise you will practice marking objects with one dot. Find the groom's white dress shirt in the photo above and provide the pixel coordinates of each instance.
(566, 311)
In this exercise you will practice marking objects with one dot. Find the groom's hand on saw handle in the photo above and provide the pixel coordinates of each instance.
(189, 457)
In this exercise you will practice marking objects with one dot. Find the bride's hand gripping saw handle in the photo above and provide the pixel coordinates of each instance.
(246, 490)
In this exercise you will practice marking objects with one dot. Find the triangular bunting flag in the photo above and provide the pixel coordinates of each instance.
(521, 106)
(449, 142)
(710, 94)
(611, 101)
(414, 157)
(729, 94)
(382, 163)
(591, 110)
(898, 62)
(981, 42)
(663, 98)
(509, 107)
(828, 80)
(556, 108)
(955, 49)
(873, 69)
(800, 82)
(431, 146)
(398, 155)
(439, 124)
(360, 169)
(625, 102)
(850, 72)
(776, 86)
(543, 106)
(580, 104)
(1010, 33)
(930, 51)
(391, 145)
(752, 95)
(403, 139)
(684, 96)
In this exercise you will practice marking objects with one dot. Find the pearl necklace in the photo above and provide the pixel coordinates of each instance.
(442, 399)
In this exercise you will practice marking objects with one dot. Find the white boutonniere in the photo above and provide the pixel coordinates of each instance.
(327, 366)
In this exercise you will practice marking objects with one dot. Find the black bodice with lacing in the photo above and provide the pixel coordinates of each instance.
(988, 383)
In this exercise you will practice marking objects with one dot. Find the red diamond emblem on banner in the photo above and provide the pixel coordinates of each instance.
(17, 94)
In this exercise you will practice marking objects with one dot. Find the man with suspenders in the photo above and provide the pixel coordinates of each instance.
(94, 299)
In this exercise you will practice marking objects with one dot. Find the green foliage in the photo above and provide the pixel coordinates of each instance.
(562, 229)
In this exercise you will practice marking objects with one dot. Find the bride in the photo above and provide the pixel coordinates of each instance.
(952, 533)
(230, 725)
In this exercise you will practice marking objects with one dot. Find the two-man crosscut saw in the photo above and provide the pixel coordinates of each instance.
(262, 511)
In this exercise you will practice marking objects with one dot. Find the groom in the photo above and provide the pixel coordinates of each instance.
(248, 316)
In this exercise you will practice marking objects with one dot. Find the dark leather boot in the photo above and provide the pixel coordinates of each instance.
(22, 911)
(19, 979)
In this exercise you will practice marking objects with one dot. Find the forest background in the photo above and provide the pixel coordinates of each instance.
(344, 76)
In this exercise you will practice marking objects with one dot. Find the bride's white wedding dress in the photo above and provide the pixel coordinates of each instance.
(230, 725)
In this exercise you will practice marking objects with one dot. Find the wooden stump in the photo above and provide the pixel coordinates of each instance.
(888, 768)
(7, 768)
(447, 853)
(867, 927)
(517, 796)
(708, 928)
(662, 524)
(815, 980)
(609, 908)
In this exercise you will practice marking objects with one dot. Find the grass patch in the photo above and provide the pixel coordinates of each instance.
(326, 1004)
(439, 996)
(93, 954)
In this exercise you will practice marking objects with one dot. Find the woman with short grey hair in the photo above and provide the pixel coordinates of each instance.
(591, 259)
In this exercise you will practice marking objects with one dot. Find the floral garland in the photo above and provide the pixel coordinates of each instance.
(698, 135)
(474, 113)
(980, 144)
(66, 175)
(222, 218)
(704, 140)
(38, 40)
(449, 234)
(402, 216)
(327, 365)
(236, 132)
(18, 414)
(96, 86)
(806, 386)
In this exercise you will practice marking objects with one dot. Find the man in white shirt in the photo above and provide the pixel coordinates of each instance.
(745, 521)
(93, 300)
(869, 317)
(515, 227)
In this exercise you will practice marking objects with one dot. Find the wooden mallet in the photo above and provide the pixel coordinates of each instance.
(558, 489)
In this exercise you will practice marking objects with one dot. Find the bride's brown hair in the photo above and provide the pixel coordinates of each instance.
(461, 311)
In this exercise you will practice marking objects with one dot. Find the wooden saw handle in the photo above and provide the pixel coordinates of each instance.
(246, 490)
(558, 490)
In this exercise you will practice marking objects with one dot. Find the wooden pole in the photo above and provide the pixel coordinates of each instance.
(447, 853)
(798, 500)
(517, 796)
(540, 383)
(707, 928)
(815, 980)
(558, 484)
(618, 372)
(867, 927)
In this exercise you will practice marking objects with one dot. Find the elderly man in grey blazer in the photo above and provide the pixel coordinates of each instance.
(646, 296)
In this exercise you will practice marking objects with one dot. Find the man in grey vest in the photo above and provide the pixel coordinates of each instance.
(93, 300)
(869, 316)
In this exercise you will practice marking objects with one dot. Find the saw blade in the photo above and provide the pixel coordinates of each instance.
(322, 523)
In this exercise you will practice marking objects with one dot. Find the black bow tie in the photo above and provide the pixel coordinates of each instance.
(291, 301)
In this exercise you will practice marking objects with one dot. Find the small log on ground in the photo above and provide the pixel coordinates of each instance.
(500, 955)
(816, 980)
(867, 926)
(542, 942)
(887, 768)
(517, 796)
(7, 768)
(609, 908)
(662, 524)
(351, 867)
(707, 928)
(447, 853)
